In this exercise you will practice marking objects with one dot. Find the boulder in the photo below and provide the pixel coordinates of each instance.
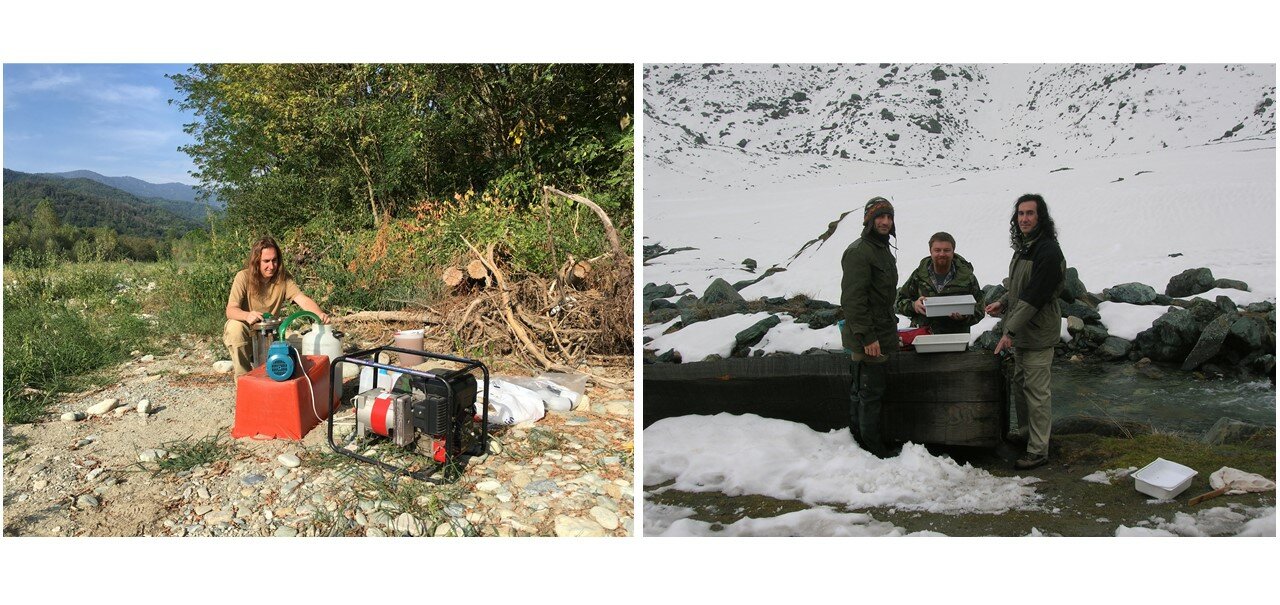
(1233, 284)
(1203, 311)
(991, 294)
(1073, 288)
(1209, 344)
(1094, 335)
(721, 292)
(655, 291)
(1170, 337)
(660, 303)
(1228, 431)
(1081, 310)
(1074, 325)
(749, 263)
(749, 337)
(1247, 333)
(660, 316)
(1260, 307)
(1114, 348)
(1227, 305)
(1133, 293)
(987, 341)
(1190, 282)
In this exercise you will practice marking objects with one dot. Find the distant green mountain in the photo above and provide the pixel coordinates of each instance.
(169, 191)
(82, 202)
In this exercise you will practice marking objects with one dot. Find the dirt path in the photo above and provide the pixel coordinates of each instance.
(567, 474)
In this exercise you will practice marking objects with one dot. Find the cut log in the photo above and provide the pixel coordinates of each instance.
(421, 316)
(476, 270)
(452, 276)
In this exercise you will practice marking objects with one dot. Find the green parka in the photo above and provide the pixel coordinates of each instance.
(920, 283)
(867, 286)
(1037, 276)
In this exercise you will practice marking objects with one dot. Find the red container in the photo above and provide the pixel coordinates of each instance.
(267, 409)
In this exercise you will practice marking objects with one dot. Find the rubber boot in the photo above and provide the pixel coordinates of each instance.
(855, 369)
(874, 379)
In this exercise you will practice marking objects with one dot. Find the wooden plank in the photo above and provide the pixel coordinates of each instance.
(948, 398)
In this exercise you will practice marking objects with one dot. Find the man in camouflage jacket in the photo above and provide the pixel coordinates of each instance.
(870, 332)
(1032, 321)
(942, 273)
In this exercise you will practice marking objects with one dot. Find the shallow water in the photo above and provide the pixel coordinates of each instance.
(1166, 398)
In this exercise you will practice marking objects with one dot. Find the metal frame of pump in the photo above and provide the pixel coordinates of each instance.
(452, 470)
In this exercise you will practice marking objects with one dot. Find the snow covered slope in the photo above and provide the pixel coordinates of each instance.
(1148, 170)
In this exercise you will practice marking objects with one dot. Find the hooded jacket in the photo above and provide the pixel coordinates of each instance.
(1037, 276)
(868, 282)
(920, 283)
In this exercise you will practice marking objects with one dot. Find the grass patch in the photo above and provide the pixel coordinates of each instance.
(61, 325)
(1113, 452)
(187, 454)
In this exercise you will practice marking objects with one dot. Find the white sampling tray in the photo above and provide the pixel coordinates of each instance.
(942, 306)
(941, 343)
(1163, 479)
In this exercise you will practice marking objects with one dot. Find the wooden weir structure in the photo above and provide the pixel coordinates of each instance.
(941, 398)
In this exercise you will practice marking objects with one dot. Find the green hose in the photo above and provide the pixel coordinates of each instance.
(285, 324)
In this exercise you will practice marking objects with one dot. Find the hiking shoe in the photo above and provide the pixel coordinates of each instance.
(1030, 461)
(1017, 437)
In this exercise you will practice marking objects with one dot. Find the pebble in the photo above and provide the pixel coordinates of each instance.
(578, 421)
(408, 524)
(286, 532)
(202, 510)
(574, 527)
(121, 411)
(488, 486)
(224, 366)
(605, 517)
(289, 460)
(147, 358)
(253, 479)
(145, 408)
(281, 472)
(618, 408)
(374, 532)
(102, 407)
(542, 486)
(218, 516)
(86, 501)
(73, 416)
(203, 493)
(151, 455)
(93, 474)
(290, 486)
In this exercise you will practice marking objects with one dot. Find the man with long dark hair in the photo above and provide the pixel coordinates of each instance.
(1032, 322)
(263, 286)
(867, 286)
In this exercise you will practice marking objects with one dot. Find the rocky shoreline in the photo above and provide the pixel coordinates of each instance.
(120, 468)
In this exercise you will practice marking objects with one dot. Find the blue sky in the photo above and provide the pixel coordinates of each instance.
(115, 120)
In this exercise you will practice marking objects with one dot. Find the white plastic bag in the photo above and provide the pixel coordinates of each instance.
(555, 396)
(511, 403)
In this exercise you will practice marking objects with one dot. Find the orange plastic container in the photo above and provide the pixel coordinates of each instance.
(266, 409)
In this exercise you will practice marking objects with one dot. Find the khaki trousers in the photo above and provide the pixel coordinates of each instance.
(1032, 399)
(239, 340)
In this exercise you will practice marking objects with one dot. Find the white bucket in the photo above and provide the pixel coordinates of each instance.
(409, 339)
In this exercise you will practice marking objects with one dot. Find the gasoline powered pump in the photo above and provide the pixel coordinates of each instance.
(445, 408)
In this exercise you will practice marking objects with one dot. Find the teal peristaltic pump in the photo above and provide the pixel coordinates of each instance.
(283, 360)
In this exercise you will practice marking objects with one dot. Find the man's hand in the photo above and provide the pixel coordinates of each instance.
(873, 349)
(324, 317)
(1005, 343)
(918, 305)
(252, 317)
(956, 315)
(995, 309)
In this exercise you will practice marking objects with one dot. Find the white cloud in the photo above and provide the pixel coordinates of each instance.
(126, 93)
